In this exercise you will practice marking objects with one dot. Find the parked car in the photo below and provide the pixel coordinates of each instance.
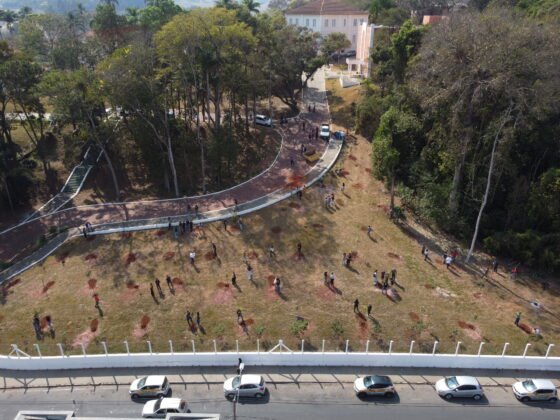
(535, 390)
(325, 132)
(263, 120)
(150, 386)
(350, 53)
(245, 386)
(459, 387)
(374, 385)
(159, 408)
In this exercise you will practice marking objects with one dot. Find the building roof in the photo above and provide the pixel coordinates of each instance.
(327, 7)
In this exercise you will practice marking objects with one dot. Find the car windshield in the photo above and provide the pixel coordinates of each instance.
(236, 382)
(451, 382)
(368, 380)
(141, 382)
(157, 405)
(529, 385)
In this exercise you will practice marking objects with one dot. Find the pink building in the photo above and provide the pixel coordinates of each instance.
(365, 42)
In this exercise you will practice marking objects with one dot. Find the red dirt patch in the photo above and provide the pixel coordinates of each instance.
(394, 256)
(318, 226)
(295, 205)
(295, 181)
(343, 173)
(159, 233)
(363, 330)
(177, 281)
(91, 257)
(384, 207)
(92, 283)
(234, 229)
(129, 259)
(368, 170)
(168, 256)
(61, 258)
(477, 295)
(276, 229)
(84, 338)
(352, 157)
(429, 286)
(126, 235)
(252, 255)
(414, 316)
(47, 286)
(249, 321)
(93, 325)
(11, 284)
(222, 285)
(270, 280)
(325, 293)
(223, 296)
(526, 328)
(209, 256)
(358, 186)
(466, 325)
(144, 321)
(132, 285)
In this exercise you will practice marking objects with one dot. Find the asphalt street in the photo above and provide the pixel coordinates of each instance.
(283, 401)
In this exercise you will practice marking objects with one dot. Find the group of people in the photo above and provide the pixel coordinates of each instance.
(329, 201)
(88, 228)
(387, 278)
(157, 282)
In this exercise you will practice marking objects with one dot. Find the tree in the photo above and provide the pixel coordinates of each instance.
(334, 42)
(251, 5)
(157, 13)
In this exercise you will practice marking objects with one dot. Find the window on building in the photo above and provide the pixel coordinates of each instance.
(344, 22)
(355, 22)
(353, 39)
(306, 22)
(333, 23)
(326, 23)
(297, 21)
(314, 22)
(361, 21)
(290, 21)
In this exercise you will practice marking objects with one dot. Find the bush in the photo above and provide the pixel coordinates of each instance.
(337, 328)
(298, 327)
(259, 330)
(219, 330)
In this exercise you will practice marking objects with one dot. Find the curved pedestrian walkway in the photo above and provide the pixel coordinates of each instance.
(277, 183)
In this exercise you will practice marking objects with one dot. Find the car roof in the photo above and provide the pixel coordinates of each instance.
(543, 384)
(155, 380)
(260, 116)
(466, 380)
(379, 379)
(170, 403)
(250, 379)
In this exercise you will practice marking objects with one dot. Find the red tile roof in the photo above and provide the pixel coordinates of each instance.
(327, 7)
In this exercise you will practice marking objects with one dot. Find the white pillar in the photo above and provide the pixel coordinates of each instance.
(411, 346)
(347, 346)
(104, 344)
(323, 348)
(480, 348)
(506, 345)
(61, 349)
(41, 356)
(215, 347)
(390, 346)
(193, 348)
(435, 348)
(149, 346)
(367, 347)
(457, 348)
(83, 349)
(126, 347)
(258, 346)
(171, 346)
(237, 345)
(548, 350)
(526, 348)
(302, 345)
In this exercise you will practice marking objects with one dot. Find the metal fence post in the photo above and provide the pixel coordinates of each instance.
(258, 346)
(149, 346)
(390, 346)
(171, 346)
(83, 349)
(104, 344)
(126, 347)
(41, 356)
(480, 348)
(411, 346)
(526, 348)
(506, 345)
(323, 347)
(281, 345)
(548, 350)
(193, 348)
(61, 349)
(302, 344)
(346, 351)
(237, 345)
(215, 347)
(457, 348)
(367, 347)
(435, 348)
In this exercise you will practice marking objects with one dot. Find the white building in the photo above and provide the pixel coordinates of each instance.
(328, 16)
(362, 64)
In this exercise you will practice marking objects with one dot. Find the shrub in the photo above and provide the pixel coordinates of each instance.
(337, 328)
(259, 330)
(298, 326)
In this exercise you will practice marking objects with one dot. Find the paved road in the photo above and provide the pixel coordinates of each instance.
(286, 401)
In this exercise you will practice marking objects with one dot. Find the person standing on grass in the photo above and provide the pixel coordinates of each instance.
(192, 256)
(427, 255)
(198, 319)
(448, 261)
(357, 306)
(331, 279)
(96, 299)
(271, 252)
(189, 318)
(299, 249)
(375, 281)
(214, 250)
(152, 291)
(517, 318)
(326, 278)
(234, 280)
(423, 250)
(249, 273)
(240, 319)
(158, 285)
(225, 224)
(369, 230)
(342, 187)
(369, 309)
(277, 285)
(50, 325)
(348, 259)
(385, 286)
(382, 276)
(495, 265)
(393, 276)
(37, 326)
(169, 282)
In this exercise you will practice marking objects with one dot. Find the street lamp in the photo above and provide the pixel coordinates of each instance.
(240, 368)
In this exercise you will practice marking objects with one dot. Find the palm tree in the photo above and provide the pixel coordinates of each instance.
(252, 6)
(226, 4)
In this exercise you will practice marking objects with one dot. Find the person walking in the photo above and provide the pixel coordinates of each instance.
(375, 280)
(369, 309)
(240, 319)
(277, 285)
(356, 306)
(393, 276)
(271, 252)
(448, 261)
(348, 259)
(158, 285)
(369, 230)
(96, 299)
(331, 280)
(225, 224)
(495, 265)
(37, 326)
(152, 291)
(234, 280)
(299, 249)
(189, 318)
(50, 325)
(169, 282)
(427, 254)
(517, 318)
(326, 278)
(249, 273)
(342, 187)
(423, 249)
(214, 250)
(192, 256)
(198, 319)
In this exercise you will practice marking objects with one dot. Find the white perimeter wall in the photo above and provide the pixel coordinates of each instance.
(284, 359)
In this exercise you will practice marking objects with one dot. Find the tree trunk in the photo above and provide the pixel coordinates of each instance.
(170, 156)
(107, 158)
(8, 193)
(488, 182)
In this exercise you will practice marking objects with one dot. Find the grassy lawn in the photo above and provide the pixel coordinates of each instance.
(340, 103)
(430, 303)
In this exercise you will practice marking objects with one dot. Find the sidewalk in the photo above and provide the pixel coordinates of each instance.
(275, 376)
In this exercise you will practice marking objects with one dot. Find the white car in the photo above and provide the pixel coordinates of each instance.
(535, 390)
(160, 408)
(150, 386)
(325, 132)
(459, 387)
(244, 386)
(263, 120)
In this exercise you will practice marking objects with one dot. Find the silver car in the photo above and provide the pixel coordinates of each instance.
(263, 120)
(459, 387)
(244, 386)
(535, 390)
(150, 386)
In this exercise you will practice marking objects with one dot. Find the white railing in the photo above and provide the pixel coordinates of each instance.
(278, 355)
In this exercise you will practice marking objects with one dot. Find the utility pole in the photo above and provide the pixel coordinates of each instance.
(240, 367)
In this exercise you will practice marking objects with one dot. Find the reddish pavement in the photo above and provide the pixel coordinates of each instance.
(279, 175)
